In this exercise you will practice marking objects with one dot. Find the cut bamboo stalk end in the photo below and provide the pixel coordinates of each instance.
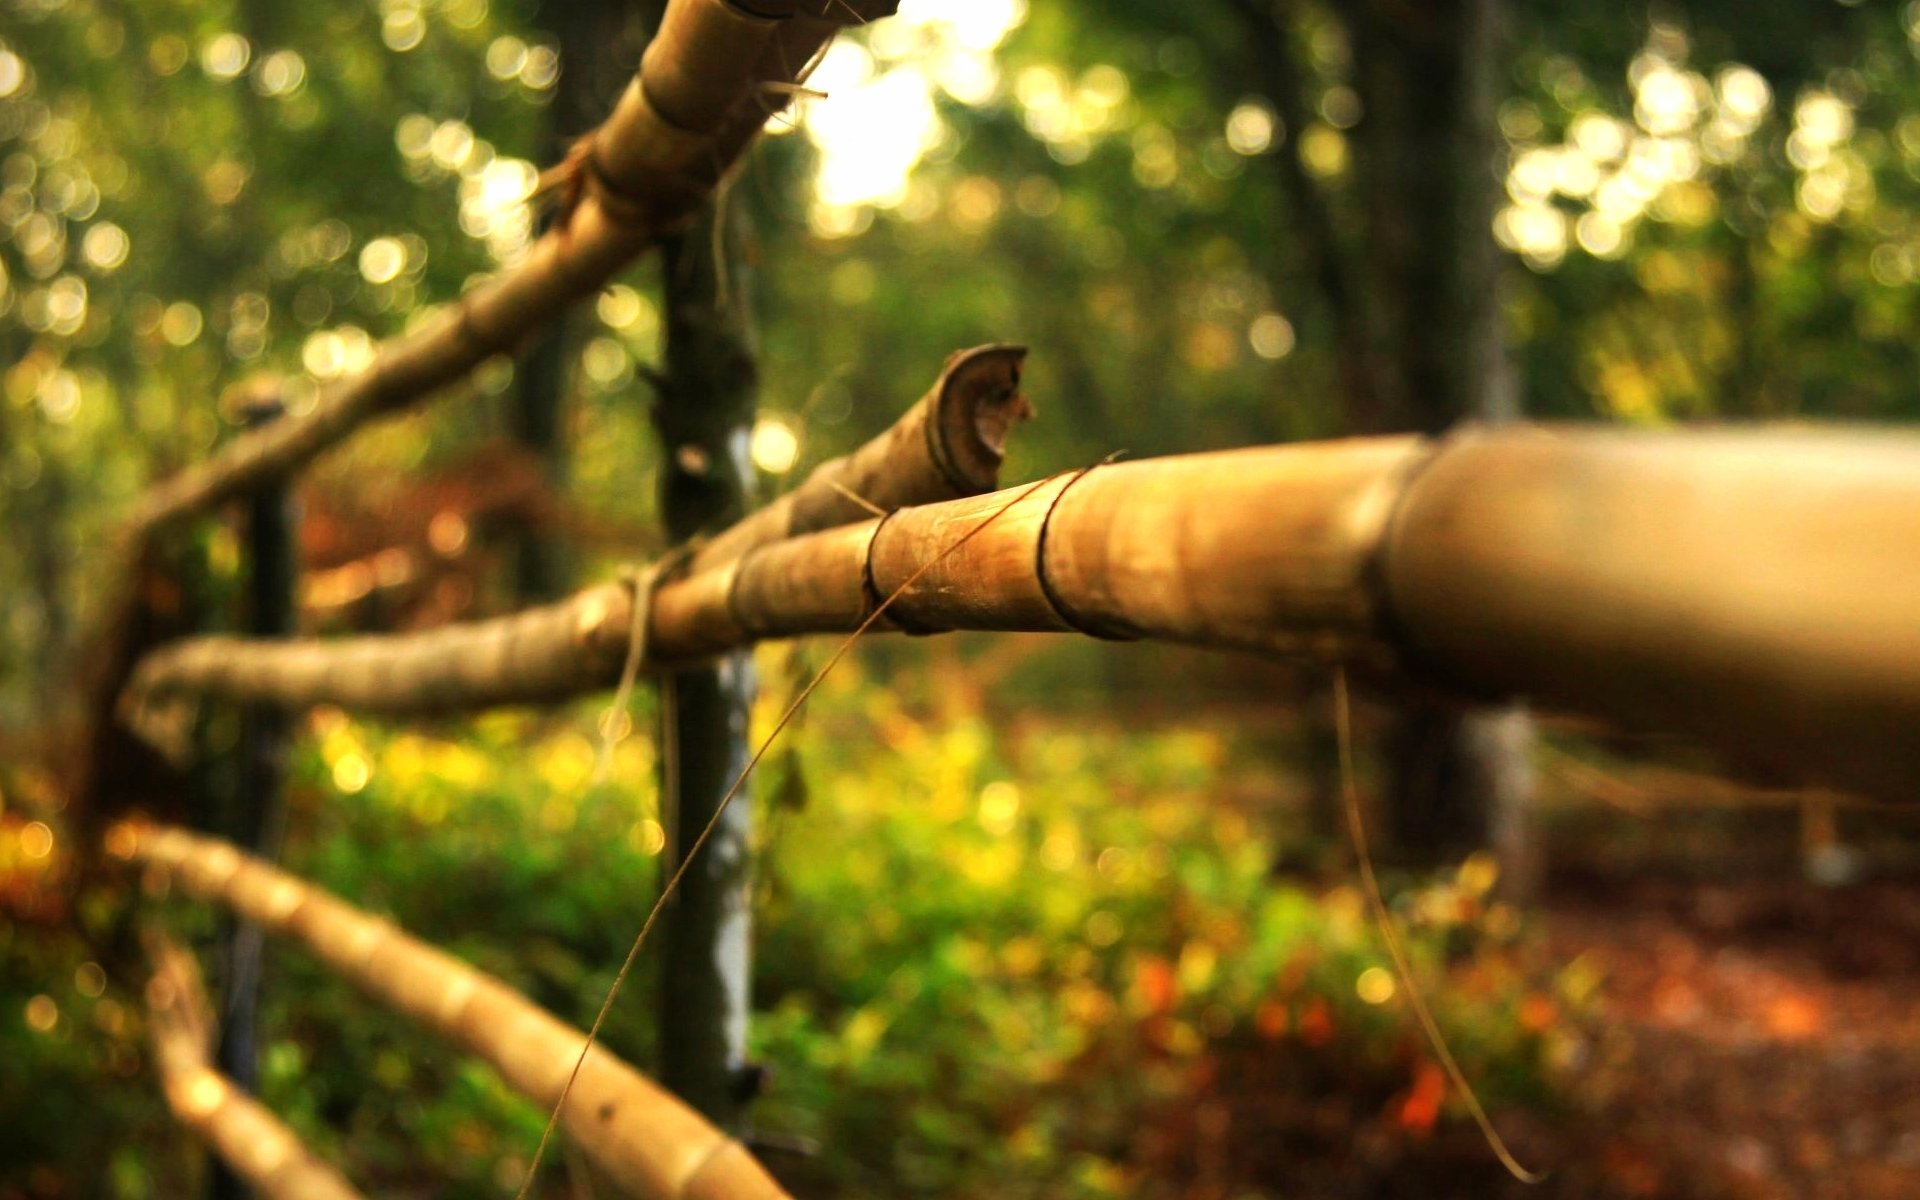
(257, 1145)
(647, 1142)
(949, 444)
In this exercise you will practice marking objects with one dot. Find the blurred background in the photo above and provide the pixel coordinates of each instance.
(1036, 917)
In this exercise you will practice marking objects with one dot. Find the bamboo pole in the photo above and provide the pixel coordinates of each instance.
(250, 1140)
(645, 1141)
(1759, 589)
(948, 444)
(717, 71)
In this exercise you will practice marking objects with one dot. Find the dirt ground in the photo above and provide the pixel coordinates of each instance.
(1762, 1040)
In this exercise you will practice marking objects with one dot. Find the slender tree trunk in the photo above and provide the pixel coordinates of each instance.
(704, 417)
(1429, 146)
(258, 815)
(592, 35)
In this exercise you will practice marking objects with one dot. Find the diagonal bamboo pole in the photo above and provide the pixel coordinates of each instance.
(714, 74)
(1759, 589)
(647, 1143)
(261, 1150)
(949, 444)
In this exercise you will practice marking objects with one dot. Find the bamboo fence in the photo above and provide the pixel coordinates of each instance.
(712, 76)
(250, 1139)
(947, 445)
(645, 1142)
(1759, 589)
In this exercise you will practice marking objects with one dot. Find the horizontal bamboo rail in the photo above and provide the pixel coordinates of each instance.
(713, 74)
(949, 444)
(647, 1143)
(250, 1139)
(1760, 589)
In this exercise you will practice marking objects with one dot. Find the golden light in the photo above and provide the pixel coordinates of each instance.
(1250, 127)
(180, 324)
(42, 1014)
(774, 447)
(542, 68)
(351, 773)
(36, 839)
(1271, 336)
(403, 29)
(505, 57)
(605, 361)
(281, 73)
(447, 533)
(1323, 149)
(413, 136)
(13, 73)
(122, 841)
(1600, 235)
(59, 396)
(620, 307)
(382, 260)
(90, 980)
(203, 1093)
(225, 55)
(450, 144)
(649, 838)
(999, 807)
(1744, 93)
(1375, 985)
(105, 246)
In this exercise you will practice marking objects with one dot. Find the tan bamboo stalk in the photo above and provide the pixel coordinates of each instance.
(949, 444)
(702, 94)
(647, 1143)
(249, 1138)
(1759, 589)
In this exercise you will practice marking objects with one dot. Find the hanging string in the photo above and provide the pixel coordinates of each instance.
(1396, 950)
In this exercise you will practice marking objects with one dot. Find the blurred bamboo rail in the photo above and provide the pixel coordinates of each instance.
(249, 1138)
(712, 76)
(646, 1142)
(1760, 589)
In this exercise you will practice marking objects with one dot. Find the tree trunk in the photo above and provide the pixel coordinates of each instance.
(258, 812)
(704, 416)
(1429, 148)
(592, 36)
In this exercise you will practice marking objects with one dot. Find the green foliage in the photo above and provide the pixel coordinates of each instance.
(990, 959)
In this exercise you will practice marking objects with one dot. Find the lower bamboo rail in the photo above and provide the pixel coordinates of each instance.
(1760, 589)
(250, 1139)
(646, 1142)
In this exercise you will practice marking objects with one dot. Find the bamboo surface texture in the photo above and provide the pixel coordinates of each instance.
(647, 1143)
(251, 1140)
(713, 75)
(949, 444)
(1758, 589)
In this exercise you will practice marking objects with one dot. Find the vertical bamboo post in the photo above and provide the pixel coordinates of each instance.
(704, 416)
(259, 817)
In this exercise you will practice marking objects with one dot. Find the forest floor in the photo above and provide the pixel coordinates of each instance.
(1761, 1039)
